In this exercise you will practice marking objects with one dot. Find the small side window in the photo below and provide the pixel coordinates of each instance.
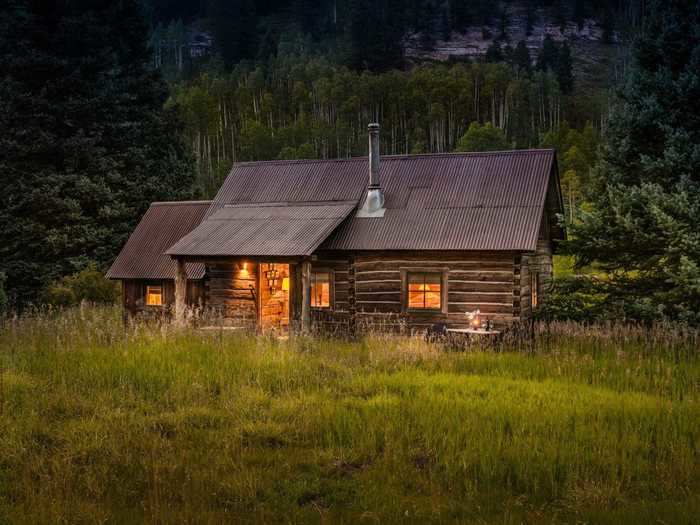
(320, 289)
(154, 295)
(534, 289)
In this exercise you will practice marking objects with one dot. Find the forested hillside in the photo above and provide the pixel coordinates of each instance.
(300, 79)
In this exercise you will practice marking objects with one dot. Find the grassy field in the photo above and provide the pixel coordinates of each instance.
(102, 424)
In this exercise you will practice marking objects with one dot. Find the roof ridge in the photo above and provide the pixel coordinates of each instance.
(398, 156)
(178, 203)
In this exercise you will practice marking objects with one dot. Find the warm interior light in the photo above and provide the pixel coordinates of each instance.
(285, 284)
(244, 269)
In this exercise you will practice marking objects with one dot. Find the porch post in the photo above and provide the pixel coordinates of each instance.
(180, 292)
(306, 296)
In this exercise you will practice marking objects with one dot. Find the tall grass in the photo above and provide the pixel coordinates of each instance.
(99, 423)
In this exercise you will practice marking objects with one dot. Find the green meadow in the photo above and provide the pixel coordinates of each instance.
(105, 424)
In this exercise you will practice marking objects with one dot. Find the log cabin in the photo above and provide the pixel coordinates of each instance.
(403, 241)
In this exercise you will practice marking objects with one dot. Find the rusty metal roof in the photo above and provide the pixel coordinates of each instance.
(143, 256)
(459, 201)
(264, 229)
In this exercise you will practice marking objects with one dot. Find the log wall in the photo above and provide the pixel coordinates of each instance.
(475, 280)
(134, 291)
(337, 318)
(540, 262)
(231, 291)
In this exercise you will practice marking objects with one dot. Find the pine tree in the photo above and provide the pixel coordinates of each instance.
(86, 142)
(644, 228)
(521, 58)
(564, 69)
(548, 58)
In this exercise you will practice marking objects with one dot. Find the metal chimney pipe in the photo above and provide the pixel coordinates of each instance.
(373, 155)
(374, 202)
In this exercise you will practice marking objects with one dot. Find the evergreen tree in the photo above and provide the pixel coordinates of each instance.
(235, 29)
(493, 53)
(564, 65)
(521, 58)
(644, 228)
(548, 58)
(86, 144)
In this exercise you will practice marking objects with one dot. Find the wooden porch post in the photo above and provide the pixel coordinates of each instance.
(180, 292)
(306, 296)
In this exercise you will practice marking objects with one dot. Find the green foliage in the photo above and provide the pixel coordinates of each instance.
(646, 191)
(577, 150)
(145, 424)
(483, 138)
(88, 285)
(265, 113)
(86, 144)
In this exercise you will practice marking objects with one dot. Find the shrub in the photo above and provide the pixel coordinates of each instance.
(88, 285)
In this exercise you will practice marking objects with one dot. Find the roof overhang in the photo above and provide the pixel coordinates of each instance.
(274, 229)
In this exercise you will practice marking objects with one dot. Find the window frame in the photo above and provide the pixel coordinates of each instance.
(331, 288)
(443, 272)
(534, 290)
(148, 285)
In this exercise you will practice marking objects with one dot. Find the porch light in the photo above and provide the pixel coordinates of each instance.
(285, 284)
(244, 269)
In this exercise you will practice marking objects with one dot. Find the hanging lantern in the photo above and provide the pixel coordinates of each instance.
(272, 275)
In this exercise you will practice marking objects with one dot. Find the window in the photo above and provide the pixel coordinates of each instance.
(424, 291)
(154, 295)
(320, 289)
(534, 289)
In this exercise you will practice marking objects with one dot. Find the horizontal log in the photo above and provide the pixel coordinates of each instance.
(434, 256)
(506, 265)
(479, 286)
(393, 295)
(381, 285)
(474, 297)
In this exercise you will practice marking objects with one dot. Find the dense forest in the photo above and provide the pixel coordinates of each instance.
(107, 107)
(300, 79)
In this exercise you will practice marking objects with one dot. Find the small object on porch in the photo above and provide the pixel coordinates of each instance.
(436, 332)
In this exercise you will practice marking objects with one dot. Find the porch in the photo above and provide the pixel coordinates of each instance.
(267, 294)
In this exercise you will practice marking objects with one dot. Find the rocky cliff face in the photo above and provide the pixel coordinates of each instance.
(595, 59)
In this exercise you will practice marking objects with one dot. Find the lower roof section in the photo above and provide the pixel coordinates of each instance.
(143, 256)
(264, 229)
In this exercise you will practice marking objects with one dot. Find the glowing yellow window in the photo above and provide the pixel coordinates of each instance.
(424, 291)
(320, 290)
(154, 295)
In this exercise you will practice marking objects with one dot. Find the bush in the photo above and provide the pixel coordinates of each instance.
(88, 285)
(590, 298)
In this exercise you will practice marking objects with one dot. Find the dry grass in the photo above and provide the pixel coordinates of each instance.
(102, 424)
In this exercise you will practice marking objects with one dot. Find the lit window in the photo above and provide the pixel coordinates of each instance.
(320, 289)
(154, 295)
(424, 291)
(534, 288)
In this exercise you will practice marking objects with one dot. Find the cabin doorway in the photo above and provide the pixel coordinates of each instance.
(273, 306)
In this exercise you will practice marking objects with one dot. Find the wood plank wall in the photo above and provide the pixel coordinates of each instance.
(228, 291)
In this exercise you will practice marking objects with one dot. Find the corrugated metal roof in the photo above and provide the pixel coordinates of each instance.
(143, 256)
(264, 229)
(462, 201)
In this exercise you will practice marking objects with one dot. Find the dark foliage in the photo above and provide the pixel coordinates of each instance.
(644, 228)
(86, 143)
